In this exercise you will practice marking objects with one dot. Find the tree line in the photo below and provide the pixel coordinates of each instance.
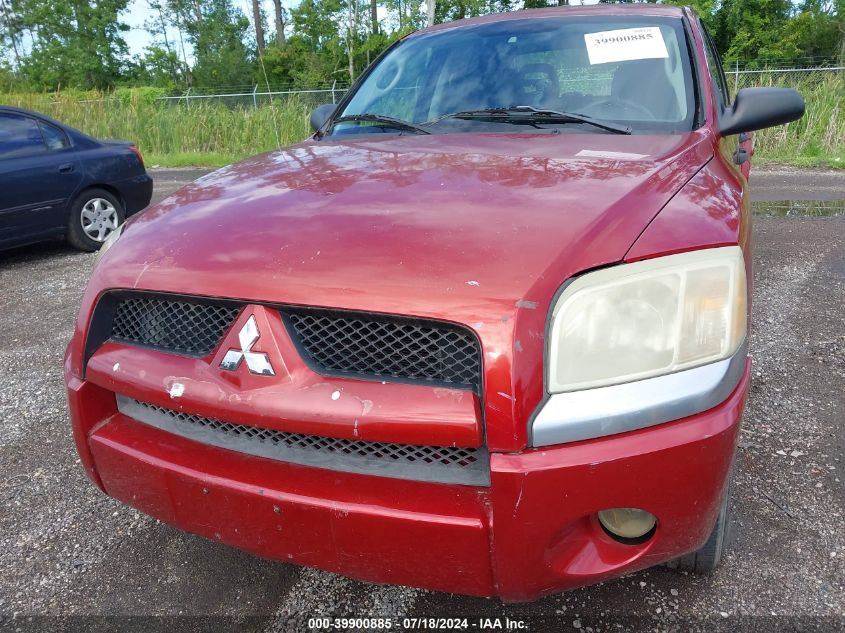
(81, 44)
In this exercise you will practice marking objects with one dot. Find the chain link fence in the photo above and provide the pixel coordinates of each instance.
(784, 77)
(257, 95)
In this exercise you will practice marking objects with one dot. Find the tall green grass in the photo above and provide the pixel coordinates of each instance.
(173, 134)
(208, 132)
(818, 138)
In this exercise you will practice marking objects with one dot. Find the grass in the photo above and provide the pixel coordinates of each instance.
(192, 159)
(214, 134)
(818, 138)
(173, 135)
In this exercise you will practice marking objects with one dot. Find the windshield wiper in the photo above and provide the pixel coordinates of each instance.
(388, 121)
(530, 114)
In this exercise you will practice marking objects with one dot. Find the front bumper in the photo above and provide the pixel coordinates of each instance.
(532, 532)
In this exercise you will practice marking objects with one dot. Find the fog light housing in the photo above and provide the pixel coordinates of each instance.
(628, 525)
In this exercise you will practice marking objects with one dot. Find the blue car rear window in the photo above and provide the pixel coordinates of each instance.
(19, 136)
(53, 136)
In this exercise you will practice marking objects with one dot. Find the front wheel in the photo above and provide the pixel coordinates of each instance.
(706, 559)
(93, 217)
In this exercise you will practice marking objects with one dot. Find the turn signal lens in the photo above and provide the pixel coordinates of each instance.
(627, 523)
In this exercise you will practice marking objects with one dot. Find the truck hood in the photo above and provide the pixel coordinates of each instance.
(477, 229)
(437, 226)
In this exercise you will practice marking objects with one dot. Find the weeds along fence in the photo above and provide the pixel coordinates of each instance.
(819, 136)
(229, 123)
(256, 96)
(197, 129)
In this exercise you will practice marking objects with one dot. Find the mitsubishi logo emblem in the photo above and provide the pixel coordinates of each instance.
(257, 362)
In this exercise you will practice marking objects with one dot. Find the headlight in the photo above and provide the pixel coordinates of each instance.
(648, 318)
(109, 242)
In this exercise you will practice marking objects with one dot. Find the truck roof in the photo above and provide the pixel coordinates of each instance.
(552, 12)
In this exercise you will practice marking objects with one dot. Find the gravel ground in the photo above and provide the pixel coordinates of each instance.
(73, 559)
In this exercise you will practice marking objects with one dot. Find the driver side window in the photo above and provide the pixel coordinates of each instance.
(397, 87)
(714, 66)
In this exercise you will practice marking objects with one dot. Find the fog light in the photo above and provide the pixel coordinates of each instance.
(629, 525)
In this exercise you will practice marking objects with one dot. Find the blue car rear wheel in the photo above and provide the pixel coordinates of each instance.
(94, 215)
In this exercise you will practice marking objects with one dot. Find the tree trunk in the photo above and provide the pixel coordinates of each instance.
(842, 46)
(12, 31)
(186, 69)
(429, 10)
(351, 31)
(280, 23)
(174, 73)
(259, 27)
(197, 11)
(374, 16)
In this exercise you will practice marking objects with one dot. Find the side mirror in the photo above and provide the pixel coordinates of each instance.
(321, 115)
(758, 108)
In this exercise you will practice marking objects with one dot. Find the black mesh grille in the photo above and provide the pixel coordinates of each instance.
(176, 326)
(388, 347)
(335, 343)
(431, 463)
(445, 455)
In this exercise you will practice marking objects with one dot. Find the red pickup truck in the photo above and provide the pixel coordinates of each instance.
(484, 332)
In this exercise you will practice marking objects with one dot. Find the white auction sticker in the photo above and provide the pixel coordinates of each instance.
(625, 45)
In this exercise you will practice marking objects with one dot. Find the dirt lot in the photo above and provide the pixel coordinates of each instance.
(73, 559)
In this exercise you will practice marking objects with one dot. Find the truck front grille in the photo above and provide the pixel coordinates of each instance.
(443, 464)
(362, 345)
(182, 327)
(378, 347)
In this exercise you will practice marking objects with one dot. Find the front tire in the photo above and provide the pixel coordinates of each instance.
(707, 559)
(93, 216)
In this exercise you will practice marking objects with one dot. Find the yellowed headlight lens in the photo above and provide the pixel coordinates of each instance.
(649, 318)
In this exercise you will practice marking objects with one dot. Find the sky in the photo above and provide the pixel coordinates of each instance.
(138, 12)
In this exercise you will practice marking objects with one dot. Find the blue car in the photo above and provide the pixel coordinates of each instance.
(56, 182)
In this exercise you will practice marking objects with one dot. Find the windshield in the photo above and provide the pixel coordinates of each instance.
(633, 70)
